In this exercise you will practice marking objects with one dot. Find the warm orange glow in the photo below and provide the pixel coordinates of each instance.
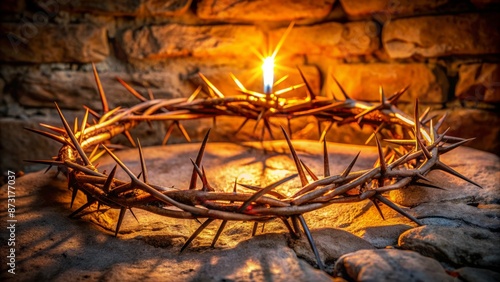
(268, 72)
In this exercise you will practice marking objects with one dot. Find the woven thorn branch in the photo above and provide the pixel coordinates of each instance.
(404, 162)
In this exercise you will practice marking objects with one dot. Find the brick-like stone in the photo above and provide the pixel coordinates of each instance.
(357, 8)
(79, 43)
(362, 81)
(330, 39)
(474, 123)
(174, 40)
(220, 77)
(126, 8)
(263, 10)
(72, 89)
(479, 82)
(433, 36)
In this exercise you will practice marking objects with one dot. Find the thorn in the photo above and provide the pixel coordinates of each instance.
(52, 136)
(309, 171)
(199, 157)
(326, 161)
(167, 134)
(378, 208)
(383, 165)
(310, 94)
(254, 229)
(300, 171)
(183, 131)
(349, 167)
(107, 185)
(129, 138)
(219, 232)
(84, 124)
(311, 242)
(86, 205)
(424, 149)
(396, 208)
(104, 101)
(196, 233)
(263, 191)
(346, 97)
(441, 166)
(120, 219)
(143, 164)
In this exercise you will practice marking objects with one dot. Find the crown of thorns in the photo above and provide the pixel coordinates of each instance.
(404, 162)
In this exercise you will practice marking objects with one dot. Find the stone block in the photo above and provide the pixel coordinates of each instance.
(356, 8)
(127, 8)
(47, 43)
(174, 40)
(330, 39)
(434, 36)
(428, 83)
(263, 10)
(479, 82)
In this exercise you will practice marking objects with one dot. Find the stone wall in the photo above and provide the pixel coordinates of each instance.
(446, 51)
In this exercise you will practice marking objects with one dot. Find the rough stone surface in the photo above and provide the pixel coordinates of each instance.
(85, 248)
(262, 10)
(464, 34)
(469, 246)
(482, 125)
(344, 243)
(12, 6)
(428, 83)
(459, 214)
(330, 39)
(78, 43)
(128, 8)
(479, 166)
(173, 40)
(471, 274)
(72, 89)
(398, 8)
(389, 265)
(479, 82)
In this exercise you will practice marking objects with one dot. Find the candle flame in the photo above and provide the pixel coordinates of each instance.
(268, 71)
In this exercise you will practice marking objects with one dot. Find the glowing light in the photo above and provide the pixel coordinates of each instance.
(268, 71)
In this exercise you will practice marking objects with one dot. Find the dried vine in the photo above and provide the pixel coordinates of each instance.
(405, 162)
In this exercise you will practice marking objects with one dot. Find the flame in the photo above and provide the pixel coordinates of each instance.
(268, 71)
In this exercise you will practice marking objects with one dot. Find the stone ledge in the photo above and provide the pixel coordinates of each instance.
(263, 10)
(386, 8)
(174, 40)
(49, 43)
(434, 36)
(356, 38)
(479, 82)
(428, 83)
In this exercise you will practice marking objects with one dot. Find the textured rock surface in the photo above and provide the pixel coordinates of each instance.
(262, 10)
(465, 34)
(357, 8)
(428, 83)
(479, 82)
(52, 246)
(389, 265)
(468, 246)
(358, 38)
(173, 40)
(128, 8)
(471, 274)
(73, 43)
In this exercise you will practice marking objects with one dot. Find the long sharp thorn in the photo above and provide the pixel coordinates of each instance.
(206, 185)
(374, 133)
(423, 116)
(428, 185)
(53, 128)
(309, 171)
(104, 100)
(143, 163)
(424, 148)
(211, 86)
(132, 212)
(84, 157)
(242, 125)
(417, 122)
(167, 134)
(199, 157)
(268, 127)
(73, 196)
(346, 97)
(383, 165)
(196, 233)
(45, 162)
(183, 131)
(254, 228)
(84, 124)
(300, 170)
(311, 242)
(219, 232)
(454, 145)
(52, 136)
(123, 210)
(349, 167)
(86, 205)
(378, 209)
(441, 166)
(129, 138)
(131, 90)
(92, 112)
(107, 185)
(310, 94)
(440, 121)
(326, 160)
(75, 125)
(396, 208)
